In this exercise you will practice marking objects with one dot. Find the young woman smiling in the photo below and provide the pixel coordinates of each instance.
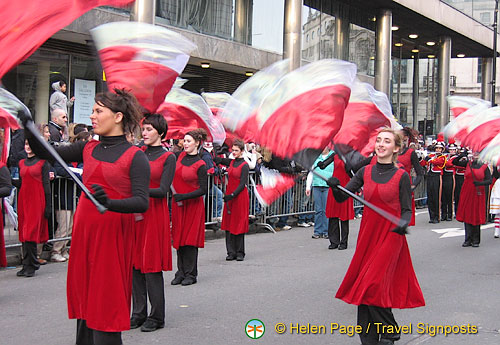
(100, 268)
(153, 244)
(188, 209)
(381, 275)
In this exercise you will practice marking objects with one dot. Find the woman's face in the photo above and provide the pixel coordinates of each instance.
(385, 145)
(105, 121)
(63, 88)
(236, 151)
(190, 145)
(150, 135)
(46, 133)
(27, 148)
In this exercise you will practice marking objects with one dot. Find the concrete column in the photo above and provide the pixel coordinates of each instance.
(486, 78)
(383, 52)
(444, 59)
(415, 92)
(292, 33)
(144, 11)
(342, 28)
(42, 92)
(243, 21)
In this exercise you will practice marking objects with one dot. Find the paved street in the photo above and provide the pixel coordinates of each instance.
(286, 278)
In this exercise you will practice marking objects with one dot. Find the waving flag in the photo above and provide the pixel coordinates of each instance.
(273, 185)
(217, 101)
(491, 153)
(368, 111)
(460, 104)
(239, 114)
(482, 130)
(185, 111)
(9, 107)
(26, 25)
(143, 58)
(458, 127)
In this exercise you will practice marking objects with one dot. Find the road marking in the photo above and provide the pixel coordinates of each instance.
(455, 232)
(421, 212)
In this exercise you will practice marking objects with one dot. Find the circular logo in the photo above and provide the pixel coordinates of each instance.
(255, 329)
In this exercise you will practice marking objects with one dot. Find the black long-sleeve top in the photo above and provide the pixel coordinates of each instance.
(46, 169)
(5, 182)
(419, 170)
(189, 160)
(475, 164)
(167, 176)
(109, 150)
(381, 173)
(244, 172)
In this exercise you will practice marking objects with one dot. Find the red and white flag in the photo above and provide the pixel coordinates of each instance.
(217, 101)
(27, 24)
(273, 185)
(10, 106)
(185, 111)
(458, 128)
(481, 129)
(143, 58)
(459, 104)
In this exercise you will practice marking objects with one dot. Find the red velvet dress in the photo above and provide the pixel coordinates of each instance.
(188, 219)
(334, 209)
(99, 286)
(472, 203)
(153, 242)
(33, 226)
(405, 160)
(236, 222)
(381, 272)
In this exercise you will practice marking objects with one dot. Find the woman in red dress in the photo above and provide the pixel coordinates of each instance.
(33, 208)
(472, 205)
(409, 159)
(100, 267)
(336, 212)
(153, 243)
(381, 275)
(235, 218)
(188, 209)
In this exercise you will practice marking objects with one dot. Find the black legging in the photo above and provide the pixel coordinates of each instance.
(187, 262)
(338, 235)
(433, 183)
(367, 317)
(447, 197)
(235, 244)
(144, 285)
(88, 336)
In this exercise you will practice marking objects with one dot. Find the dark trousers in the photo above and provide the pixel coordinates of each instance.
(447, 197)
(187, 262)
(433, 183)
(367, 317)
(472, 233)
(235, 244)
(30, 262)
(88, 336)
(144, 285)
(338, 235)
(459, 181)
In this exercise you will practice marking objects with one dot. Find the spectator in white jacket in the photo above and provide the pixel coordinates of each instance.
(58, 99)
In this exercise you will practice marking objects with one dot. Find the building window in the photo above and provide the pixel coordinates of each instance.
(403, 113)
(453, 80)
(312, 35)
(479, 71)
(307, 38)
(485, 17)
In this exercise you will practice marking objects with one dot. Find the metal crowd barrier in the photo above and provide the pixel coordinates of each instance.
(292, 203)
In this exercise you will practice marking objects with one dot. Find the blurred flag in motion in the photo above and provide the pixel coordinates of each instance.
(459, 104)
(143, 58)
(26, 25)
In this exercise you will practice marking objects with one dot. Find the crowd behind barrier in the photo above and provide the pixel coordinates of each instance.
(295, 202)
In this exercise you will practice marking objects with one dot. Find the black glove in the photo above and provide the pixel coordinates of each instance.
(477, 183)
(24, 117)
(100, 195)
(179, 197)
(47, 212)
(228, 197)
(428, 158)
(217, 160)
(401, 230)
(321, 165)
(333, 182)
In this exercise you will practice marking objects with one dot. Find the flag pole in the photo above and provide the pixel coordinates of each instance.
(30, 126)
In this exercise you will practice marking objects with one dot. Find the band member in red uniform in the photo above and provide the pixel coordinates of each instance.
(5, 190)
(472, 207)
(409, 159)
(338, 234)
(153, 243)
(33, 208)
(188, 209)
(100, 267)
(447, 189)
(459, 175)
(235, 217)
(381, 276)
(435, 163)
